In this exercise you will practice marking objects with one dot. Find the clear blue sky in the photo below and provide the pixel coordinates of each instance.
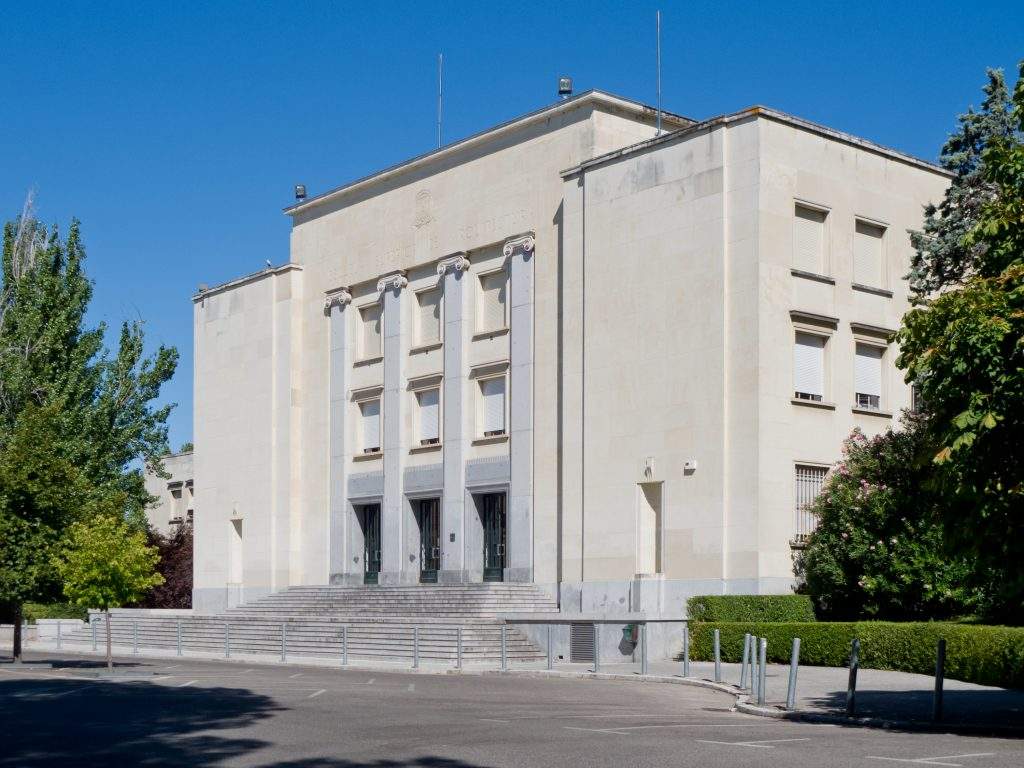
(176, 131)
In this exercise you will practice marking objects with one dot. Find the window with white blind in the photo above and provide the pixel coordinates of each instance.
(809, 240)
(492, 406)
(428, 323)
(867, 254)
(369, 424)
(809, 367)
(867, 376)
(493, 291)
(371, 330)
(809, 482)
(429, 415)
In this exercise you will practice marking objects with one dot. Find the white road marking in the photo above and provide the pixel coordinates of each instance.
(762, 744)
(186, 685)
(624, 730)
(297, 674)
(247, 671)
(412, 687)
(932, 760)
(173, 666)
(495, 720)
(370, 681)
(317, 693)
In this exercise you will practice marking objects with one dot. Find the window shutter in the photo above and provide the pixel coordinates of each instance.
(430, 316)
(429, 413)
(494, 404)
(809, 240)
(867, 254)
(371, 424)
(809, 364)
(492, 294)
(371, 331)
(867, 370)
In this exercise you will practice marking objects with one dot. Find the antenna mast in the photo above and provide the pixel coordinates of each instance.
(440, 69)
(658, 32)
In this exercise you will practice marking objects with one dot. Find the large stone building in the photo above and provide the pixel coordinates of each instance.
(175, 500)
(566, 351)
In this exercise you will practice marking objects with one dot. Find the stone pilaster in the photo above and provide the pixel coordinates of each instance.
(392, 510)
(456, 330)
(519, 252)
(335, 304)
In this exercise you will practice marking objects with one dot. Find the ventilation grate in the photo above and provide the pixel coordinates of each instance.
(581, 643)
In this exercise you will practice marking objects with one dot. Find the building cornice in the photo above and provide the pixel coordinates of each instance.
(250, 278)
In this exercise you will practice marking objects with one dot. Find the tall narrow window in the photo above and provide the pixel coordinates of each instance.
(867, 376)
(809, 367)
(427, 400)
(809, 482)
(492, 301)
(867, 254)
(369, 417)
(429, 317)
(492, 393)
(371, 330)
(809, 240)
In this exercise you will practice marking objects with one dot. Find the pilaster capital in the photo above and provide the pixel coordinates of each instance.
(337, 298)
(453, 264)
(522, 244)
(395, 281)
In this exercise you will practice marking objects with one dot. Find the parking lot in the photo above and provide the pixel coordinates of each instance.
(188, 712)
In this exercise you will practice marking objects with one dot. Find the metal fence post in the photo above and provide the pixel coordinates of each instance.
(762, 671)
(717, 641)
(597, 648)
(550, 657)
(686, 650)
(135, 638)
(415, 647)
(93, 623)
(940, 673)
(851, 687)
(794, 664)
(458, 647)
(60, 639)
(643, 648)
(179, 636)
(344, 646)
(504, 648)
(743, 664)
(753, 666)
(227, 641)
(284, 641)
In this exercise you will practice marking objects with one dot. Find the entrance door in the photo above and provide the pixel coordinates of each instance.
(494, 536)
(430, 540)
(371, 543)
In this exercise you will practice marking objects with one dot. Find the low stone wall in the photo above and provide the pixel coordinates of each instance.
(29, 632)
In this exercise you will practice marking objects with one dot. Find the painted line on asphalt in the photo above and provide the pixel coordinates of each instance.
(497, 720)
(186, 685)
(297, 674)
(762, 744)
(932, 760)
(411, 688)
(624, 730)
(317, 693)
(173, 666)
(370, 681)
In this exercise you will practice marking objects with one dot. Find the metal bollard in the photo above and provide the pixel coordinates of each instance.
(851, 686)
(686, 650)
(344, 646)
(93, 624)
(551, 659)
(643, 649)
(415, 647)
(504, 649)
(794, 664)
(762, 671)
(179, 636)
(458, 647)
(60, 639)
(717, 641)
(284, 641)
(753, 667)
(940, 673)
(135, 638)
(227, 641)
(743, 664)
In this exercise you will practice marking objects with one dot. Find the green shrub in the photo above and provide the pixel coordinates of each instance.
(977, 654)
(750, 608)
(35, 611)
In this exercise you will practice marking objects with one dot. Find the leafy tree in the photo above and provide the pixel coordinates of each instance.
(186, 447)
(964, 350)
(878, 549)
(105, 563)
(175, 566)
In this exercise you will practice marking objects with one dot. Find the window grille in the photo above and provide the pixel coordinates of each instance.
(809, 482)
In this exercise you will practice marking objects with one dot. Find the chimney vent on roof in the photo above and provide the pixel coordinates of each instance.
(300, 192)
(564, 87)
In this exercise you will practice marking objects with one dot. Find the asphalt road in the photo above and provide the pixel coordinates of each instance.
(200, 713)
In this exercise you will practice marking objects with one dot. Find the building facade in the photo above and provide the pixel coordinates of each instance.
(566, 351)
(175, 497)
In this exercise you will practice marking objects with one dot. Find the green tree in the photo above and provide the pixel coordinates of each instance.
(878, 549)
(964, 350)
(106, 563)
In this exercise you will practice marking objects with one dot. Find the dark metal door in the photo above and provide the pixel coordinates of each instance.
(371, 543)
(494, 536)
(430, 540)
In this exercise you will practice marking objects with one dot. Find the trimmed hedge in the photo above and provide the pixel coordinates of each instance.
(975, 654)
(750, 608)
(34, 611)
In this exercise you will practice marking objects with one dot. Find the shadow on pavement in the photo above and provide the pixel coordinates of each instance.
(412, 762)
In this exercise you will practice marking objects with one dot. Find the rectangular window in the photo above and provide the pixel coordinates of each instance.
(809, 240)
(371, 331)
(369, 417)
(867, 254)
(429, 414)
(867, 376)
(492, 301)
(809, 482)
(809, 367)
(428, 317)
(492, 393)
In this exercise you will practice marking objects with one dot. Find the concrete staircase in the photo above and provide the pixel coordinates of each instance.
(378, 622)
